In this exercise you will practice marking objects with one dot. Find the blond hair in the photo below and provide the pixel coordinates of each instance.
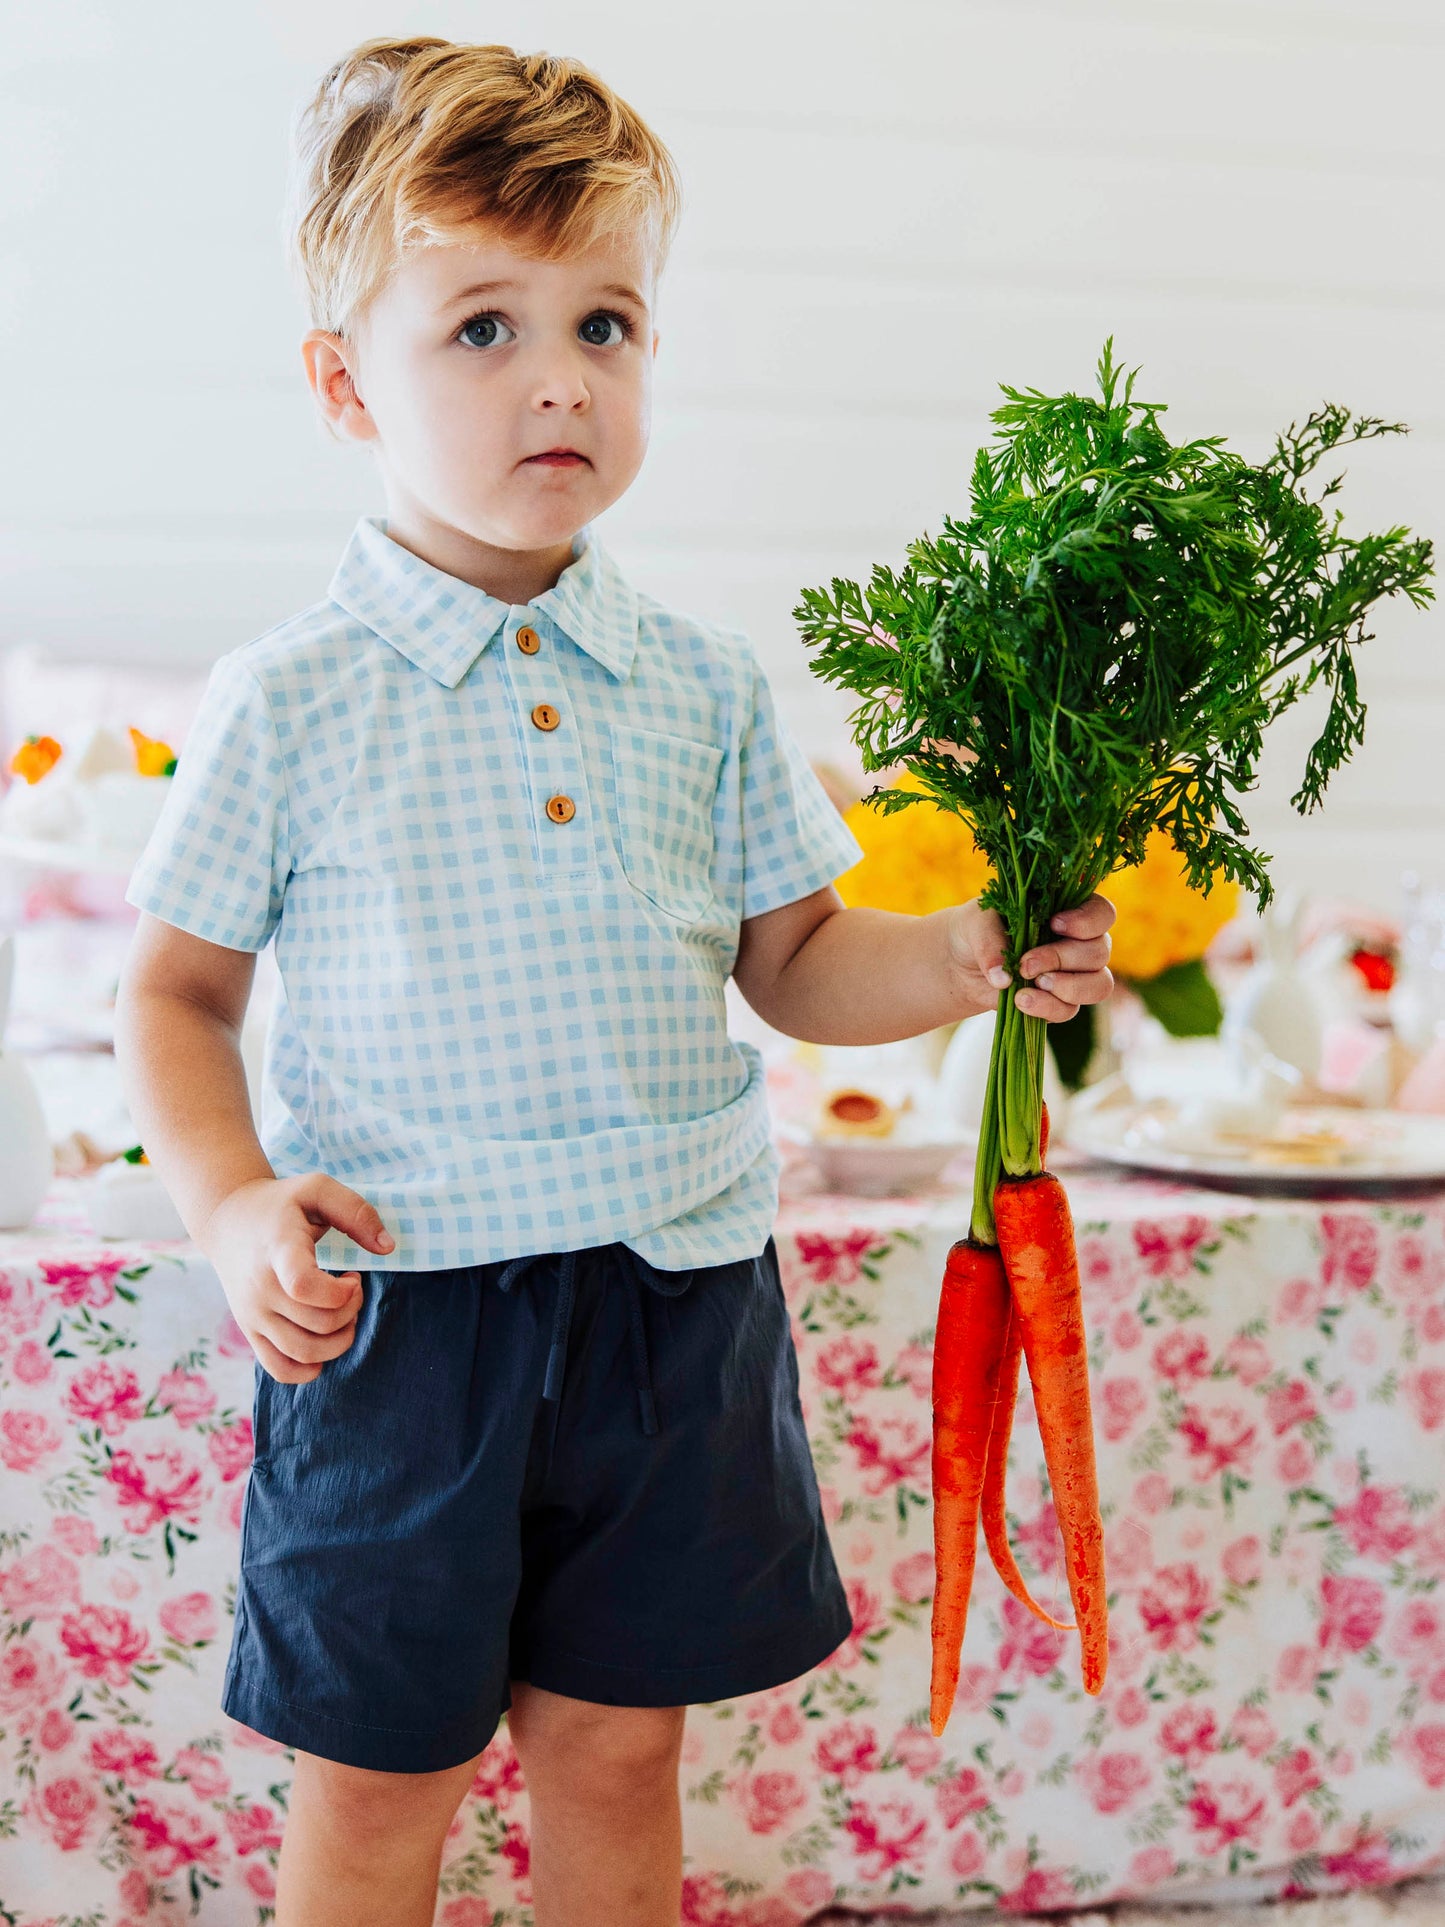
(406, 142)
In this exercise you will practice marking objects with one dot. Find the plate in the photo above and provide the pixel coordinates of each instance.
(877, 1167)
(1350, 1147)
(109, 858)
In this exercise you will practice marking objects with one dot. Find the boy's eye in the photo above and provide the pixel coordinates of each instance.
(486, 326)
(605, 319)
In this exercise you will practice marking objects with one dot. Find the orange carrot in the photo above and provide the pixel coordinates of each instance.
(1036, 1241)
(973, 1310)
(995, 1524)
(1044, 1134)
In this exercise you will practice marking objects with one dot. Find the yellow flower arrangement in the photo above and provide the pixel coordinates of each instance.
(919, 860)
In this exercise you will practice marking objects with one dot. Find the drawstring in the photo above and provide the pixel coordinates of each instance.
(561, 1321)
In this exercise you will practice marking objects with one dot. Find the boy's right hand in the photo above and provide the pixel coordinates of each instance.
(262, 1240)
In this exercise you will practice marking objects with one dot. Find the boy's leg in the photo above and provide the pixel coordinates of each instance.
(606, 1816)
(362, 1848)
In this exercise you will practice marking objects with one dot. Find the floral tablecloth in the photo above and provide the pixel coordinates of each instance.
(1270, 1387)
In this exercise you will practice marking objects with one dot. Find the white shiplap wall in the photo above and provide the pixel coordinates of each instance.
(889, 210)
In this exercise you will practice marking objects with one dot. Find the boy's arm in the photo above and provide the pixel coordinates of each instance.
(828, 974)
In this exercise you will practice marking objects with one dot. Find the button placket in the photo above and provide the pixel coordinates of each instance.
(558, 786)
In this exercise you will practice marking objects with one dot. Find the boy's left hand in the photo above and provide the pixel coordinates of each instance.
(1070, 969)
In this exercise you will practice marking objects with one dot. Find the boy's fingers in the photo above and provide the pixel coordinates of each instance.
(321, 1318)
(1058, 996)
(301, 1278)
(1090, 953)
(1088, 919)
(352, 1214)
(304, 1347)
(278, 1364)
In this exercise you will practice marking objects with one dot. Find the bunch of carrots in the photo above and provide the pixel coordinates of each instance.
(1088, 659)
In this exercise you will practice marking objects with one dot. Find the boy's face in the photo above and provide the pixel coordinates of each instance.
(475, 360)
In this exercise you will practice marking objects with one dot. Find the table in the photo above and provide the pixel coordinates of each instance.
(1270, 1412)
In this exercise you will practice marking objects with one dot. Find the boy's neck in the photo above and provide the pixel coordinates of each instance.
(513, 576)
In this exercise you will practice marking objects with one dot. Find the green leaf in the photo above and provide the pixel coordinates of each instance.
(1183, 999)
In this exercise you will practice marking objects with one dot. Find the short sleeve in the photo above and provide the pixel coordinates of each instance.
(794, 839)
(217, 860)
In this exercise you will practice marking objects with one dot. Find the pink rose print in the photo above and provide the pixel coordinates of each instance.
(40, 1585)
(1189, 1733)
(966, 1856)
(91, 1284)
(1414, 1273)
(1219, 1436)
(848, 1365)
(810, 1888)
(886, 1836)
(1432, 1327)
(916, 1751)
(1101, 1272)
(517, 1852)
(119, 1753)
(1424, 1747)
(769, 1800)
(847, 1752)
(1303, 1831)
(1041, 1891)
(1418, 1634)
(66, 1810)
(1352, 1611)
(1243, 1560)
(262, 1883)
(157, 1483)
(1377, 1522)
(173, 1837)
(231, 1341)
(976, 1687)
(914, 1365)
(962, 1794)
(231, 1448)
(104, 1642)
(893, 1452)
(207, 1778)
(1296, 1775)
(76, 1535)
(1169, 1251)
(1294, 1461)
(1351, 1250)
(867, 1610)
(107, 1397)
(1039, 1538)
(1181, 1356)
(254, 1829)
(21, 1306)
(1171, 1609)
(57, 1730)
(1364, 1864)
(466, 1911)
(1297, 1670)
(785, 1728)
(1226, 1814)
(498, 1778)
(1152, 1493)
(1425, 1390)
(191, 1619)
(1151, 1867)
(1122, 1404)
(834, 1261)
(1289, 1404)
(29, 1676)
(1129, 1551)
(32, 1364)
(1300, 1301)
(1113, 1781)
(25, 1439)
(187, 1395)
(1128, 1330)
(1027, 1642)
(913, 1578)
(1248, 1359)
(1131, 1708)
(1252, 1726)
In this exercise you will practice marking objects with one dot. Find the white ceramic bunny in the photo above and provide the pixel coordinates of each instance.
(1276, 1000)
(27, 1157)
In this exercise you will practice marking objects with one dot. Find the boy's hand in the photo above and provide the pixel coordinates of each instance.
(1069, 970)
(262, 1240)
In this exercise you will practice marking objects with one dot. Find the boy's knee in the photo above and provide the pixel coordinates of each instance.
(362, 1804)
(607, 1752)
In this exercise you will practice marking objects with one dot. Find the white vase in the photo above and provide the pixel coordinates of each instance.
(27, 1158)
(963, 1076)
(1276, 1001)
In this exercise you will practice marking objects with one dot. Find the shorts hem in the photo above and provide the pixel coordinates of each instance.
(605, 1684)
(352, 1742)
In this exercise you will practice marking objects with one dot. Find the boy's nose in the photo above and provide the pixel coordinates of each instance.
(560, 383)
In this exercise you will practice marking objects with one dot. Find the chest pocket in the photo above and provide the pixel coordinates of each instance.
(665, 788)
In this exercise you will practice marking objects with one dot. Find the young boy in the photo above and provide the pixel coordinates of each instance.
(511, 823)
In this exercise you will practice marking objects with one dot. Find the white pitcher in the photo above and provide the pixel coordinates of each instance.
(27, 1157)
(1276, 999)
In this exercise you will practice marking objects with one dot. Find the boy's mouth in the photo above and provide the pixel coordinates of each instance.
(560, 458)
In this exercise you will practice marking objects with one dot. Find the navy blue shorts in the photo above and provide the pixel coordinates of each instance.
(574, 1469)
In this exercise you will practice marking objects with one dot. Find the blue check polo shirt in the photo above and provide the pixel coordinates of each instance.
(504, 852)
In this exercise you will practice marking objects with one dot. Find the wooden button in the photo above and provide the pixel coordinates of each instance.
(528, 641)
(561, 809)
(545, 716)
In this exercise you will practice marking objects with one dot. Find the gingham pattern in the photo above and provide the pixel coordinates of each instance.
(508, 1033)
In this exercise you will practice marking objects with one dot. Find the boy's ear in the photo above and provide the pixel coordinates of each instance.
(656, 337)
(328, 371)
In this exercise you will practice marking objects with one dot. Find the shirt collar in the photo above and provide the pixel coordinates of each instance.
(443, 624)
